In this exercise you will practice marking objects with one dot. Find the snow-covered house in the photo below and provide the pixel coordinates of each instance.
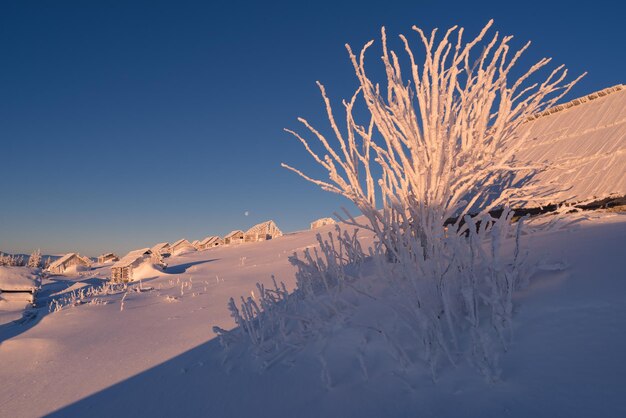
(19, 284)
(322, 222)
(583, 144)
(181, 246)
(210, 242)
(234, 237)
(196, 244)
(69, 261)
(162, 248)
(107, 258)
(263, 231)
(125, 269)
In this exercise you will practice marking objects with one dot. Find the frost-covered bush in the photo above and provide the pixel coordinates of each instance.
(91, 295)
(410, 313)
(438, 146)
(440, 143)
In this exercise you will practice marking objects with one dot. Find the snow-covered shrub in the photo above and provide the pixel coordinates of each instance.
(438, 147)
(91, 295)
(453, 309)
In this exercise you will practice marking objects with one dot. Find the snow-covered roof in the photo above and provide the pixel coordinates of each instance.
(107, 255)
(234, 233)
(210, 239)
(66, 258)
(160, 246)
(322, 222)
(181, 241)
(267, 227)
(584, 143)
(19, 279)
(131, 257)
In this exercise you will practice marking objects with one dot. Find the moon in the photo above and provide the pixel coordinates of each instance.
(246, 213)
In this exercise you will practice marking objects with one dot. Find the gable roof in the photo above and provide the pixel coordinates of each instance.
(66, 258)
(131, 257)
(180, 242)
(267, 227)
(233, 233)
(209, 240)
(160, 246)
(107, 255)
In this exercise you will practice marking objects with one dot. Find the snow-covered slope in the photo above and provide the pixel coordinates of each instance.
(151, 352)
(584, 142)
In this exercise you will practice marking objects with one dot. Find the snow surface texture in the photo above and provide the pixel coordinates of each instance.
(422, 312)
(148, 349)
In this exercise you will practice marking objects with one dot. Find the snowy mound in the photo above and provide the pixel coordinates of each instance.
(146, 271)
(19, 279)
(184, 250)
(75, 270)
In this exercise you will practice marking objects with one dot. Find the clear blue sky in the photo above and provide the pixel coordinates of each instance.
(125, 123)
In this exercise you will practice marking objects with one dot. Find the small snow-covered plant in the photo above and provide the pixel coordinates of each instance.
(122, 301)
(92, 295)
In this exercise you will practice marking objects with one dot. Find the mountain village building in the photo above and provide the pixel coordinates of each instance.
(234, 237)
(162, 248)
(123, 270)
(181, 245)
(322, 222)
(69, 260)
(210, 242)
(19, 285)
(108, 257)
(261, 232)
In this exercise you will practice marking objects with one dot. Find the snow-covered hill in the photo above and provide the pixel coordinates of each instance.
(152, 351)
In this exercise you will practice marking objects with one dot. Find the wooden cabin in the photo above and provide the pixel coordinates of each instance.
(162, 248)
(262, 232)
(210, 242)
(234, 237)
(19, 285)
(107, 258)
(122, 271)
(196, 244)
(322, 222)
(69, 260)
(182, 245)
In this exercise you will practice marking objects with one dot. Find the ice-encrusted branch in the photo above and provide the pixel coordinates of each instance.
(442, 143)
